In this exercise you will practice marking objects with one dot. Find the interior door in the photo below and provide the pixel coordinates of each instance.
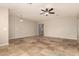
(41, 29)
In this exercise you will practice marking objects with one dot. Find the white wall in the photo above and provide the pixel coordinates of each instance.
(60, 27)
(3, 26)
(21, 29)
(78, 27)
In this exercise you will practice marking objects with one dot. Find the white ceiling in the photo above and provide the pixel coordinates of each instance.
(32, 11)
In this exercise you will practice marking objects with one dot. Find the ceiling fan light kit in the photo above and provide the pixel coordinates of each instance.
(46, 13)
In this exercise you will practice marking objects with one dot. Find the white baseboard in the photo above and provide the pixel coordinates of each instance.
(4, 44)
(22, 37)
(61, 38)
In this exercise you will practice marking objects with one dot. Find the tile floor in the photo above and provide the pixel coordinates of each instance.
(40, 46)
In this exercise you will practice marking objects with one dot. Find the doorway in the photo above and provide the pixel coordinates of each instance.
(41, 29)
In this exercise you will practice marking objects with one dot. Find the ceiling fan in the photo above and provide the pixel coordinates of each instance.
(47, 11)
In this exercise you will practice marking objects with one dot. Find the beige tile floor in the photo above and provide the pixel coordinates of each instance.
(40, 46)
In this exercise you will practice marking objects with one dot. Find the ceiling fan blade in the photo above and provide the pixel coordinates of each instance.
(51, 12)
(42, 10)
(42, 13)
(51, 9)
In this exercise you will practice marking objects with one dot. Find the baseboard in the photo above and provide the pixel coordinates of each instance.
(59, 38)
(4, 44)
(45, 37)
(23, 37)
